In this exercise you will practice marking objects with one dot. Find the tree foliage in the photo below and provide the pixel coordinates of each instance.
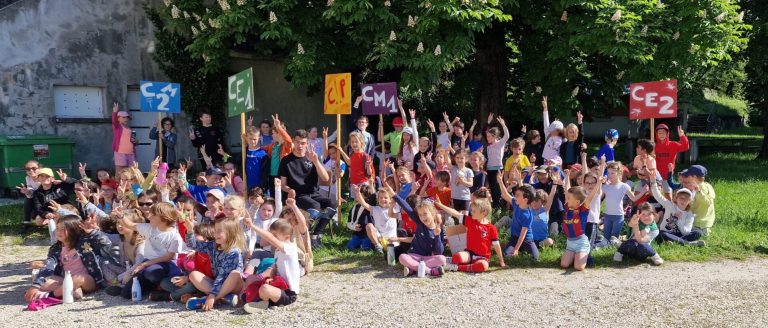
(756, 89)
(432, 47)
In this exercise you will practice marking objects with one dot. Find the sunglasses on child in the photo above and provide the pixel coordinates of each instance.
(32, 168)
(146, 204)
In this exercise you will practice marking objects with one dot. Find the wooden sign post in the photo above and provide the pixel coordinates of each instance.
(650, 100)
(337, 100)
(239, 101)
(160, 97)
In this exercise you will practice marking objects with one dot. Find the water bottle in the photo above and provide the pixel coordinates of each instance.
(68, 289)
(52, 230)
(391, 254)
(422, 271)
(161, 171)
(136, 290)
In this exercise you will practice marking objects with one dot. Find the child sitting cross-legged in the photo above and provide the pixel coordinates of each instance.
(677, 223)
(427, 242)
(359, 218)
(72, 253)
(226, 252)
(161, 248)
(481, 237)
(279, 285)
(384, 215)
(644, 230)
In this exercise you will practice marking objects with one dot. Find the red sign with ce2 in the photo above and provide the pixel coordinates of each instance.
(653, 100)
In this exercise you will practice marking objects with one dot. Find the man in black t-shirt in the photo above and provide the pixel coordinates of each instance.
(300, 171)
(209, 136)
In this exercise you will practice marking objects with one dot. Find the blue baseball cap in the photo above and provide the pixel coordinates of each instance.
(695, 170)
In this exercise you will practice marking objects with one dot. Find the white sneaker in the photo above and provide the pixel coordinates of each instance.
(656, 259)
(602, 243)
(451, 267)
(255, 307)
(406, 271)
(618, 257)
(615, 242)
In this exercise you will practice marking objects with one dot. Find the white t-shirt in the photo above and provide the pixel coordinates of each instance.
(385, 225)
(444, 140)
(614, 197)
(157, 243)
(594, 209)
(457, 191)
(288, 265)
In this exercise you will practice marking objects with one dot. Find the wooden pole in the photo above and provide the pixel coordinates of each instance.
(339, 134)
(162, 134)
(653, 130)
(243, 151)
(383, 149)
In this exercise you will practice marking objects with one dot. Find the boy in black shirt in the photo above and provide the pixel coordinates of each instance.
(300, 171)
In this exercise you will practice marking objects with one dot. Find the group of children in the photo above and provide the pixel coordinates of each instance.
(202, 244)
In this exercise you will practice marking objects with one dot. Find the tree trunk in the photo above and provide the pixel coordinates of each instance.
(764, 115)
(491, 64)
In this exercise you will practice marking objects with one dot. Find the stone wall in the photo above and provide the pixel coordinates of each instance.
(47, 43)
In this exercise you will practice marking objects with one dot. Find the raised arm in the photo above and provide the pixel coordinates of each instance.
(448, 122)
(407, 208)
(402, 111)
(505, 195)
(278, 198)
(322, 174)
(504, 128)
(360, 199)
(448, 210)
(545, 114)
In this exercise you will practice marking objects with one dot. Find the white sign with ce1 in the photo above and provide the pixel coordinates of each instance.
(163, 97)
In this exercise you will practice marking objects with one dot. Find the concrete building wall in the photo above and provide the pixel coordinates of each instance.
(107, 44)
(95, 43)
(274, 95)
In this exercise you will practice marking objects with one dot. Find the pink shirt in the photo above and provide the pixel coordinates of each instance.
(72, 262)
(125, 146)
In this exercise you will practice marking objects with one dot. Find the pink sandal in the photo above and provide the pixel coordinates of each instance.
(43, 303)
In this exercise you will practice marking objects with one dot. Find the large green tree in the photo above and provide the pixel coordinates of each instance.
(479, 56)
(757, 68)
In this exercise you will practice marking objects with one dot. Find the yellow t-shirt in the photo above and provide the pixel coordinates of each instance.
(522, 164)
(703, 206)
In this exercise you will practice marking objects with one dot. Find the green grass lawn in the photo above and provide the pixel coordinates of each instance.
(740, 231)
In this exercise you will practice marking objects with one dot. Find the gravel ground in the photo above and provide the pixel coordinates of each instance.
(721, 294)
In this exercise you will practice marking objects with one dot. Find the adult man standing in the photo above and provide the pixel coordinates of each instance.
(300, 173)
(209, 136)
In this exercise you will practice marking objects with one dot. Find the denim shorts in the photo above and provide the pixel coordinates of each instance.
(578, 244)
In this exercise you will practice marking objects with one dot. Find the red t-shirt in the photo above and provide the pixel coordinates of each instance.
(357, 168)
(480, 236)
(444, 194)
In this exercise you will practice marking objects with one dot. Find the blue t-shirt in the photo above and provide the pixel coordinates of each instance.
(405, 190)
(540, 224)
(522, 218)
(474, 145)
(266, 140)
(608, 151)
(254, 159)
